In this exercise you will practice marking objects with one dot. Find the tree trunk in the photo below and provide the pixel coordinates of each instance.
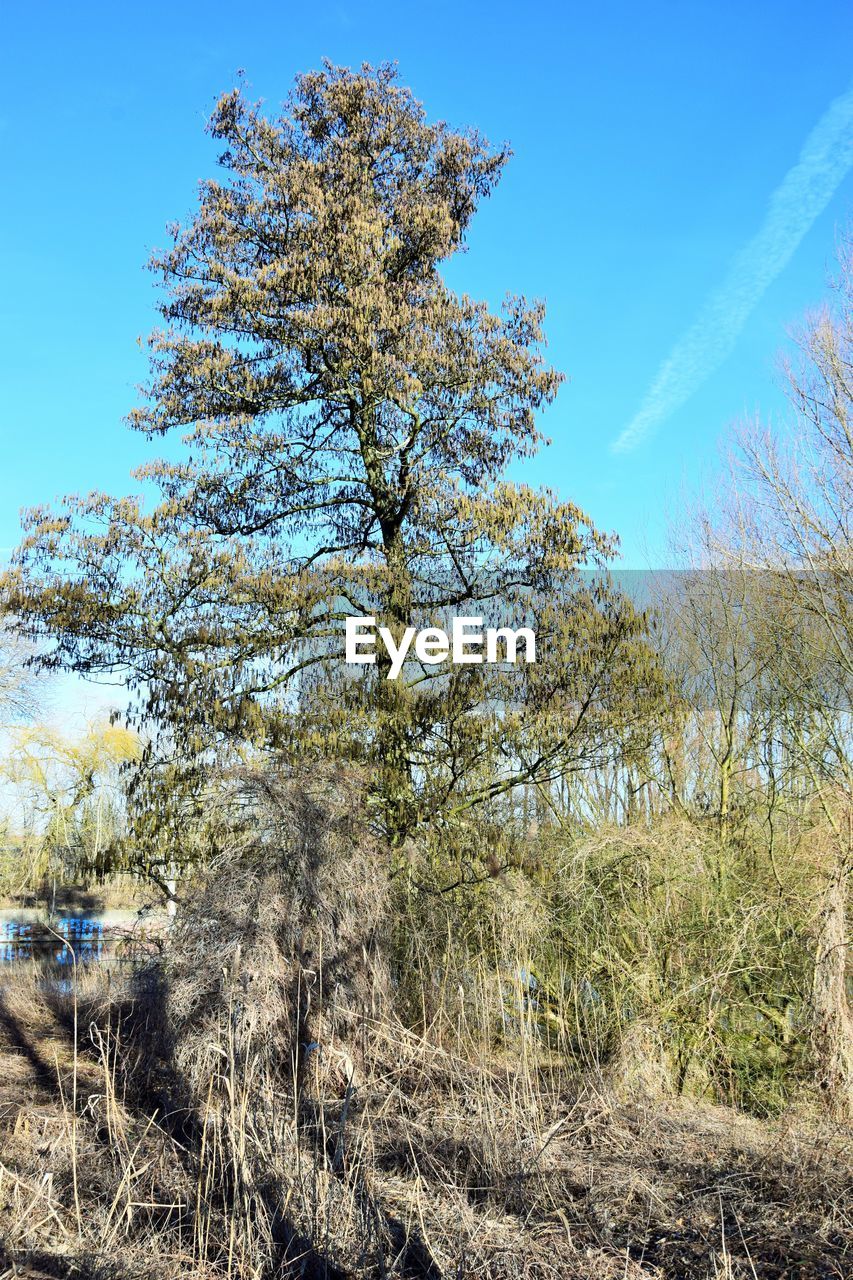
(832, 1024)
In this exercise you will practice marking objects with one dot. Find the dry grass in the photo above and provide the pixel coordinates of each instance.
(433, 1164)
(251, 1106)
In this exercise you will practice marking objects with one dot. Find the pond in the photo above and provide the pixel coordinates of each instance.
(65, 939)
(68, 938)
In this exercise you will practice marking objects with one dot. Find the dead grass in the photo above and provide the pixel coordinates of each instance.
(250, 1106)
(435, 1164)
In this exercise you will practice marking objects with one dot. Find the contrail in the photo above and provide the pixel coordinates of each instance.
(802, 195)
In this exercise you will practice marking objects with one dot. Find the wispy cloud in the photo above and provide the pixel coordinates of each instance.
(802, 195)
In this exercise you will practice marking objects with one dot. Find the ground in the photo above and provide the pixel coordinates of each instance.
(97, 1182)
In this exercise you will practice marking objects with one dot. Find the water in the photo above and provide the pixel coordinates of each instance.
(67, 938)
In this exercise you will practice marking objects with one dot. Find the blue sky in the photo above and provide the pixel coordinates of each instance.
(653, 145)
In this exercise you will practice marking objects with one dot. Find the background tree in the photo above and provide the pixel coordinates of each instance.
(67, 797)
(18, 681)
(791, 522)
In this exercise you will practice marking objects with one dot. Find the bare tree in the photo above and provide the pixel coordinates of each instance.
(792, 519)
(18, 681)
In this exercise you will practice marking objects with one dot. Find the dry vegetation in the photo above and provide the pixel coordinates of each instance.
(504, 971)
(251, 1105)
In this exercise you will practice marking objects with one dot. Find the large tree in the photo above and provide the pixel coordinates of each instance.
(347, 423)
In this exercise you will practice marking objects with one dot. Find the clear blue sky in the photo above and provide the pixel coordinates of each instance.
(649, 141)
